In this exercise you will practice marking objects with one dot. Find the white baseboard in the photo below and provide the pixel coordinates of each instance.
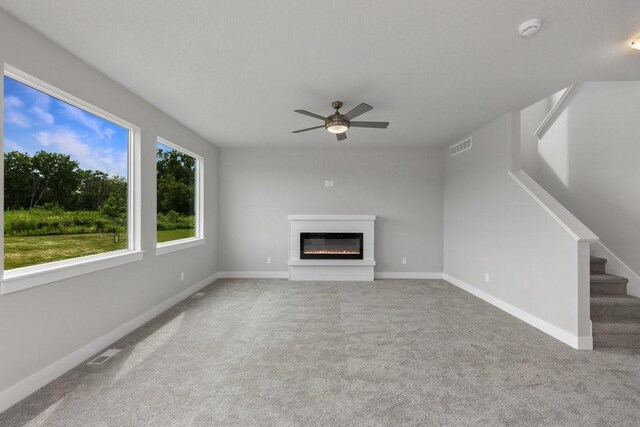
(577, 342)
(407, 275)
(616, 266)
(24, 388)
(253, 274)
(583, 343)
(285, 275)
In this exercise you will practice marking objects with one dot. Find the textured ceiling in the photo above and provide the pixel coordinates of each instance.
(234, 70)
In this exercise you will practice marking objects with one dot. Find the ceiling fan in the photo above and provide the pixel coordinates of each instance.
(339, 123)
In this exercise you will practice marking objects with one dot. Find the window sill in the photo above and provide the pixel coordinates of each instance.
(178, 245)
(29, 277)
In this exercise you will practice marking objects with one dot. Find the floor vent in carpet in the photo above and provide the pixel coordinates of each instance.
(197, 295)
(99, 360)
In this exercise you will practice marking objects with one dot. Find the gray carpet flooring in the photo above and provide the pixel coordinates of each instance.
(273, 352)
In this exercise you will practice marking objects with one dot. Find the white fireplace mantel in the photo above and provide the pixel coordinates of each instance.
(332, 217)
(331, 269)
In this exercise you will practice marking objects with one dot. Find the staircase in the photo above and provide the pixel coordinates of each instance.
(615, 316)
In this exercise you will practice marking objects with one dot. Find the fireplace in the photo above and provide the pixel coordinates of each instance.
(331, 246)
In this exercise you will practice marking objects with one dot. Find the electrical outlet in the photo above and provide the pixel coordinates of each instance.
(268, 260)
(182, 276)
(404, 260)
(486, 277)
(326, 182)
(331, 183)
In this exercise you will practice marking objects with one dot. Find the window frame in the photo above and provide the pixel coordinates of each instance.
(18, 279)
(163, 248)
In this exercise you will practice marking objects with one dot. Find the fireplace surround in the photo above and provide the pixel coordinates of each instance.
(331, 247)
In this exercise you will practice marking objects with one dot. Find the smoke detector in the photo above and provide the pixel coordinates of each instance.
(530, 27)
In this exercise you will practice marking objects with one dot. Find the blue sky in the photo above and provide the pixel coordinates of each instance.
(35, 121)
(163, 147)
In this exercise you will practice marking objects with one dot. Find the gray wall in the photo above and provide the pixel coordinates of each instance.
(589, 160)
(491, 225)
(260, 187)
(43, 324)
(530, 119)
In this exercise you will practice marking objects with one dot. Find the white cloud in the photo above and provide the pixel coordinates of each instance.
(86, 120)
(43, 138)
(12, 113)
(12, 102)
(23, 117)
(39, 99)
(16, 118)
(10, 145)
(69, 143)
(43, 116)
(89, 157)
(108, 133)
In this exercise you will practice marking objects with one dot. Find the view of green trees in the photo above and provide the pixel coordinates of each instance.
(176, 192)
(48, 197)
(55, 210)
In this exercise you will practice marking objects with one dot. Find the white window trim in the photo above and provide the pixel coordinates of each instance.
(178, 245)
(28, 277)
(199, 239)
(20, 279)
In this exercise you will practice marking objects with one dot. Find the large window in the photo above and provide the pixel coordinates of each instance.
(179, 197)
(67, 179)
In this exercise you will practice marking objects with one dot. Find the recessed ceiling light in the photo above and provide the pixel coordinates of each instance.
(636, 43)
(530, 27)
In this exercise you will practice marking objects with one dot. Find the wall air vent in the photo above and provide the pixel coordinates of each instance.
(460, 147)
(99, 360)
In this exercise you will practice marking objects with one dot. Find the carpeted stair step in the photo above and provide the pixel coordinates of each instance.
(598, 265)
(608, 284)
(615, 308)
(616, 334)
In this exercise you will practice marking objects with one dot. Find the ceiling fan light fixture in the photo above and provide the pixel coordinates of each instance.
(337, 128)
(635, 44)
(336, 124)
(529, 28)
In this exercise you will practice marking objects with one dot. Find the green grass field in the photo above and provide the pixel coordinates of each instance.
(32, 250)
(167, 235)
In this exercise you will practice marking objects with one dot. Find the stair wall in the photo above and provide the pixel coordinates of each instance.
(500, 228)
(588, 160)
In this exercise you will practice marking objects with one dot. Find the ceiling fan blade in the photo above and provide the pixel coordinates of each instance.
(310, 114)
(360, 109)
(377, 125)
(304, 130)
(341, 136)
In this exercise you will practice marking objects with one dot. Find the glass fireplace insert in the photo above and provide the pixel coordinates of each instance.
(331, 246)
